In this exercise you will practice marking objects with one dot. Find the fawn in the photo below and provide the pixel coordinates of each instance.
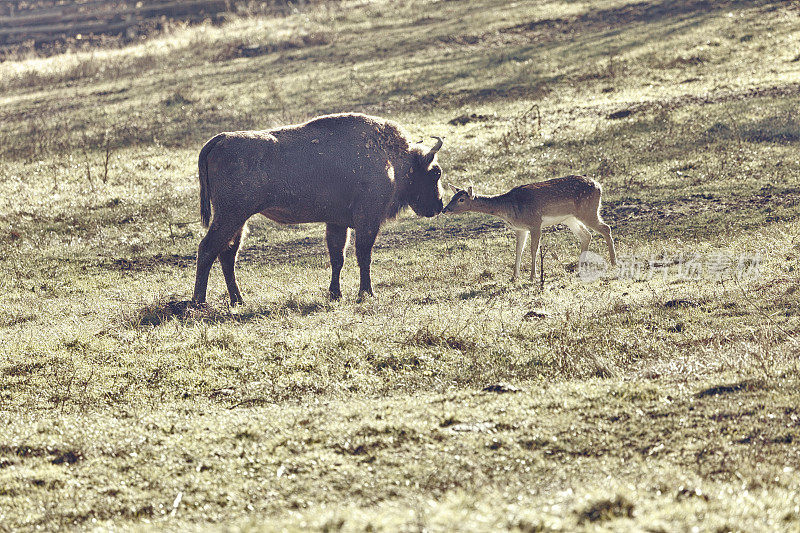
(571, 200)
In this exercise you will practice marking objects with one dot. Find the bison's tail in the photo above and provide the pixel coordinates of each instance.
(202, 164)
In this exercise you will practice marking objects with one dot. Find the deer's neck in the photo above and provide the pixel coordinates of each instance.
(498, 206)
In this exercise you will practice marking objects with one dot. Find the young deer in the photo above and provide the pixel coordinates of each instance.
(571, 200)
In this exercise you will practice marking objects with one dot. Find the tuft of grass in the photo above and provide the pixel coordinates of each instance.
(606, 509)
(427, 337)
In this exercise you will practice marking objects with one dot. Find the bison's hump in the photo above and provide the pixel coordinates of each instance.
(261, 135)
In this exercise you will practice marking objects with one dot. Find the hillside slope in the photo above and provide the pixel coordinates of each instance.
(662, 396)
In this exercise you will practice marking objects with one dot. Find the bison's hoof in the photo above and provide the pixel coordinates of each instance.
(363, 295)
(334, 296)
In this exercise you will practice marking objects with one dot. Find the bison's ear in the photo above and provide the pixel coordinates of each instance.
(471, 193)
(453, 188)
(428, 158)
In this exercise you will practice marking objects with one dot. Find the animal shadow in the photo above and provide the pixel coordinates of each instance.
(157, 313)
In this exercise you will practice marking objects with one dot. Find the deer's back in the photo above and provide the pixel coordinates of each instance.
(568, 195)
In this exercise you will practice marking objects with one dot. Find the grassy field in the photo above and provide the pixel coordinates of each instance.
(649, 399)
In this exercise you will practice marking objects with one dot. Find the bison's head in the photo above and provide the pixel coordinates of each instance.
(424, 191)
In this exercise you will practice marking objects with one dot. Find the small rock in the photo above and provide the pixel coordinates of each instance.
(678, 302)
(690, 492)
(466, 119)
(539, 315)
(70, 457)
(620, 114)
(252, 50)
(501, 388)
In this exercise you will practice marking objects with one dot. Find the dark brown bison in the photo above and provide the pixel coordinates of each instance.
(346, 170)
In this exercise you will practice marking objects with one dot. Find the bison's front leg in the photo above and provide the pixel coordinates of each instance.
(336, 237)
(365, 239)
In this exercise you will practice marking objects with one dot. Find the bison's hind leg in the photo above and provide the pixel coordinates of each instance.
(227, 259)
(336, 237)
(220, 236)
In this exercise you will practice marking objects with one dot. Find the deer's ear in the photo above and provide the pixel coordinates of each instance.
(471, 193)
(453, 188)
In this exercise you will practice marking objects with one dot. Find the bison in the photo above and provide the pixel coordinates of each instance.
(346, 170)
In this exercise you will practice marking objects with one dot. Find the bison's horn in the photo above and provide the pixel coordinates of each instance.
(429, 155)
(437, 147)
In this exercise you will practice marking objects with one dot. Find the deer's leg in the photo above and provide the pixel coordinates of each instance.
(219, 236)
(604, 230)
(365, 239)
(522, 239)
(580, 231)
(227, 259)
(336, 237)
(536, 239)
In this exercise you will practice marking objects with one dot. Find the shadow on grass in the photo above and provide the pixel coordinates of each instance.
(164, 310)
(748, 385)
(490, 290)
(778, 128)
(640, 12)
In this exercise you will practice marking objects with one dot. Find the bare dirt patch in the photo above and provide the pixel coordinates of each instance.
(150, 263)
(236, 50)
